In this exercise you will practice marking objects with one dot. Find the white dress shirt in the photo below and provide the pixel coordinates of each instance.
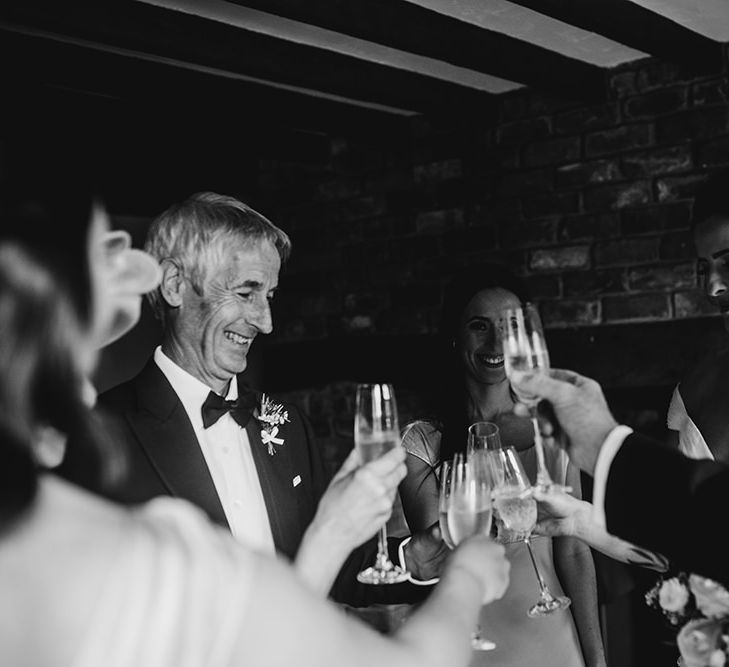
(227, 452)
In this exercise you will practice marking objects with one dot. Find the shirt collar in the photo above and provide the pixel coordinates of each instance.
(191, 391)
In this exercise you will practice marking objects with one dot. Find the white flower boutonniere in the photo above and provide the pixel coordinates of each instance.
(271, 415)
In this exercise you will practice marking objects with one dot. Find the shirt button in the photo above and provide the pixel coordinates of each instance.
(237, 503)
(226, 450)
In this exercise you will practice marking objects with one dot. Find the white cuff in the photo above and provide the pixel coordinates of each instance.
(411, 579)
(609, 449)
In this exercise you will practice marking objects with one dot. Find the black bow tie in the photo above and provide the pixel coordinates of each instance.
(215, 406)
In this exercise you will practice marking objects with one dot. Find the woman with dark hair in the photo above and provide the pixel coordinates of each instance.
(85, 582)
(472, 386)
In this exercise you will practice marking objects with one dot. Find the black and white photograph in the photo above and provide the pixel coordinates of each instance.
(369, 333)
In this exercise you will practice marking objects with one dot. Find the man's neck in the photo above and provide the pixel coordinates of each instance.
(189, 363)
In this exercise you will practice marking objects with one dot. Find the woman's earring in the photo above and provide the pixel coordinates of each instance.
(453, 343)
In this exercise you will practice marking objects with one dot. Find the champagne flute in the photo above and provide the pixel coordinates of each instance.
(517, 510)
(376, 432)
(525, 349)
(466, 496)
(482, 437)
(444, 492)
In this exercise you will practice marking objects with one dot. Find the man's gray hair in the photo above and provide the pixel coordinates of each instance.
(195, 233)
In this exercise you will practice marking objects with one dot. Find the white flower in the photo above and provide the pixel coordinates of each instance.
(712, 599)
(698, 642)
(717, 659)
(701, 606)
(271, 415)
(673, 595)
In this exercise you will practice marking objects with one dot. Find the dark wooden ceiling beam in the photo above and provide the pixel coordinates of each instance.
(34, 63)
(635, 26)
(409, 27)
(167, 33)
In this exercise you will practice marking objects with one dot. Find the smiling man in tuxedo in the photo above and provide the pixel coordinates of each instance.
(194, 430)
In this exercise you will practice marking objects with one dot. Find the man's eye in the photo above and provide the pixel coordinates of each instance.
(701, 269)
(244, 295)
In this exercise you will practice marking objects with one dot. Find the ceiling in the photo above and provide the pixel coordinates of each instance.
(324, 61)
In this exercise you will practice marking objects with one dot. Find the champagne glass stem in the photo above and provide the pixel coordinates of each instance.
(543, 478)
(542, 586)
(382, 556)
(547, 602)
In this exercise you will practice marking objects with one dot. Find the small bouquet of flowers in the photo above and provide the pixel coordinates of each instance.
(700, 607)
(271, 415)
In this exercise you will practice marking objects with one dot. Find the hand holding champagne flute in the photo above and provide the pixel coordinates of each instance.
(466, 511)
(517, 510)
(525, 349)
(376, 432)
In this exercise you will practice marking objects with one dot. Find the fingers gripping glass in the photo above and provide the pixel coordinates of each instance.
(465, 510)
(516, 508)
(376, 432)
(525, 349)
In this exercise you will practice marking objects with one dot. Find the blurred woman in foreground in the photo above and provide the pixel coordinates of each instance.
(88, 583)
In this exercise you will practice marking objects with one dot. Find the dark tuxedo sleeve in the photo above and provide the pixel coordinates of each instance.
(346, 588)
(135, 480)
(659, 499)
(349, 591)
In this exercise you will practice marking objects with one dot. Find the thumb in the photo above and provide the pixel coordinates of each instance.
(540, 384)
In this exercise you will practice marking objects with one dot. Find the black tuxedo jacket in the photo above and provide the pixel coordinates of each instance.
(666, 502)
(163, 457)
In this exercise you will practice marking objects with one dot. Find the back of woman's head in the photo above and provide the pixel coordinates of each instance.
(45, 313)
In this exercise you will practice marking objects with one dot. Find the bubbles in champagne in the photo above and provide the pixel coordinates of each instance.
(518, 513)
(372, 447)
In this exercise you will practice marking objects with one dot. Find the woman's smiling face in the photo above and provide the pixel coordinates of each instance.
(479, 334)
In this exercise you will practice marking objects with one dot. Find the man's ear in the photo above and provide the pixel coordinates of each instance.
(172, 286)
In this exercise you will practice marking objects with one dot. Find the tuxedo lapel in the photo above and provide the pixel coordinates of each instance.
(275, 472)
(168, 438)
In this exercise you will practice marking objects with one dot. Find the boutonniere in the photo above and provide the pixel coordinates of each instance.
(271, 415)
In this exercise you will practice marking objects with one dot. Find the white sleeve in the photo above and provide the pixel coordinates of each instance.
(613, 442)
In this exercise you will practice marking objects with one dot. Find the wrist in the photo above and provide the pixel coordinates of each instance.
(329, 535)
(600, 433)
(582, 525)
(318, 562)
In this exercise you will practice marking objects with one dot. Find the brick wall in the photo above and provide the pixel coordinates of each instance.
(590, 203)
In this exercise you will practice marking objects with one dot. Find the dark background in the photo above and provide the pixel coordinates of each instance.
(589, 201)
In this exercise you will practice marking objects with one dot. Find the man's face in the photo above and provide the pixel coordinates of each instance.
(214, 330)
(711, 238)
